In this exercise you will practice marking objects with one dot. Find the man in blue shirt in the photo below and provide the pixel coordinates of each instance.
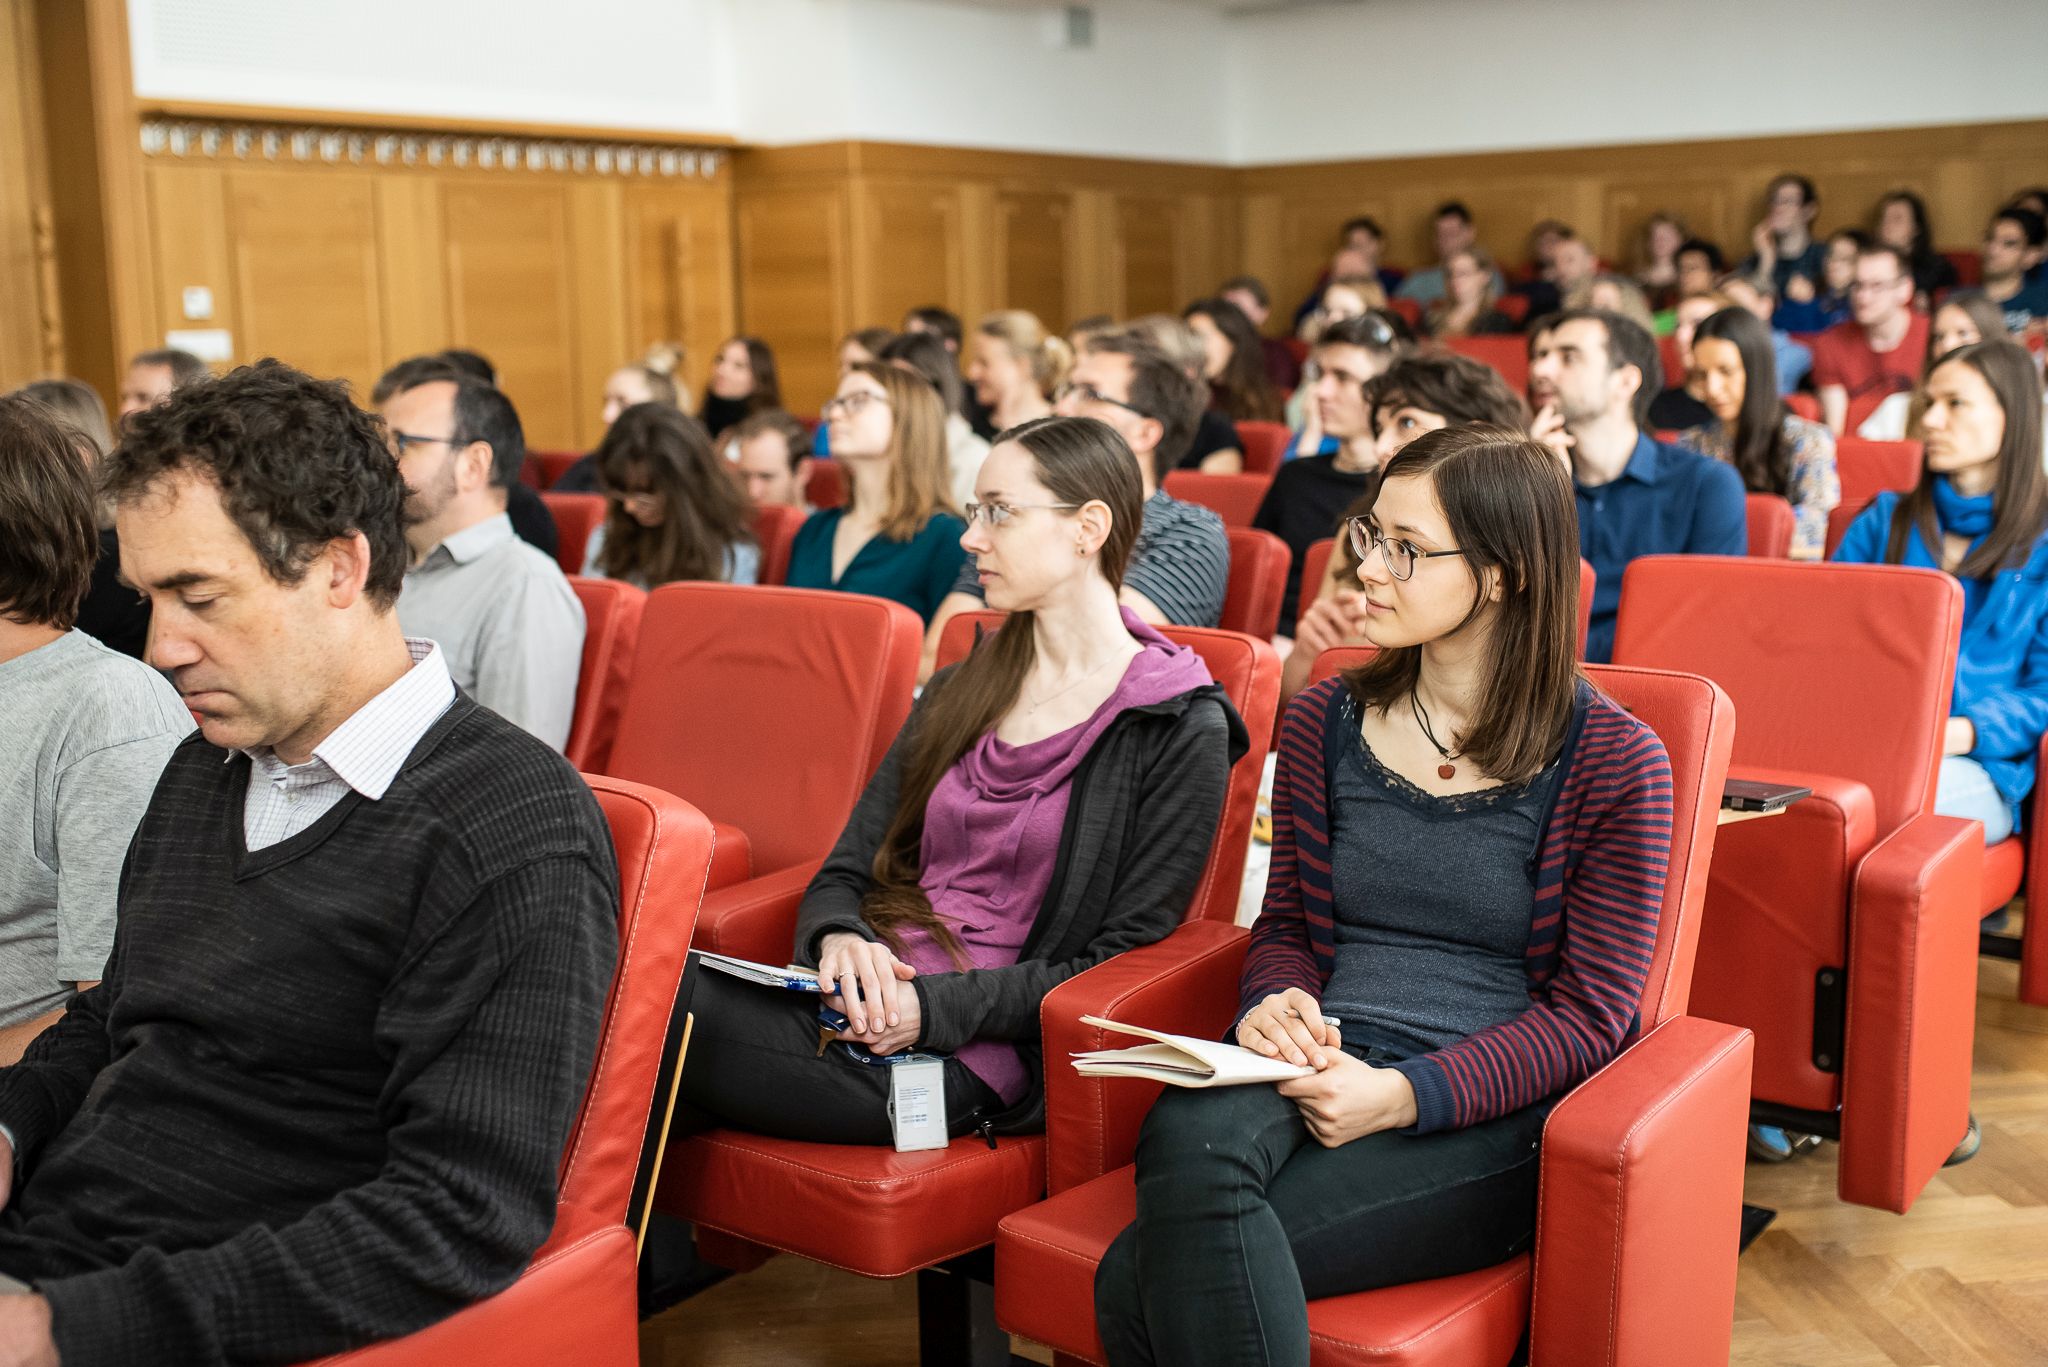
(1591, 377)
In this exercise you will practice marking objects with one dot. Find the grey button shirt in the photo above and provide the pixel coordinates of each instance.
(507, 622)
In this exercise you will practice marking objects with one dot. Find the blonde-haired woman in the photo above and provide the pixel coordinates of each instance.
(651, 379)
(898, 535)
(1016, 366)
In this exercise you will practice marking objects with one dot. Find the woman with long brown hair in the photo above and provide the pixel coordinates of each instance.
(1236, 369)
(1469, 850)
(671, 511)
(1049, 803)
(898, 534)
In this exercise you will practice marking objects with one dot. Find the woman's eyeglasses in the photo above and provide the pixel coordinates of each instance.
(1400, 554)
(851, 405)
(996, 514)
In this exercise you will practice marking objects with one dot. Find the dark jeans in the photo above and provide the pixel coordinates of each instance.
(1243, 1218)
(754, 1065)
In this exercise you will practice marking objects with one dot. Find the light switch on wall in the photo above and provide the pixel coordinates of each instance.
(198, 303)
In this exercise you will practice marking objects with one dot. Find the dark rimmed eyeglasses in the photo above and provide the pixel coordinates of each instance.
(1399, 553)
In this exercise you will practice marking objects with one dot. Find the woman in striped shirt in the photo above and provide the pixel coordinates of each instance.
(1469, 849)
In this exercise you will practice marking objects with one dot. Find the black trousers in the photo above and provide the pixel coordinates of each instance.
(754, 1065)
(1243, 1218)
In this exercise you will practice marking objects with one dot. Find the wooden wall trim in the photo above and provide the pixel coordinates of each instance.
(357, 119)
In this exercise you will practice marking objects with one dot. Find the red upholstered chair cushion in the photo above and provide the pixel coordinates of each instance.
(1263, 443)
(1508, 355)
(611, 630)
(775, 528)
(1839, 519)
(1259, 564)
(768, 707)
(1235, 498)
(1770, 526)
(576, 517)
(1315, 563)
(1805, 405)
(1869, 468)
(826, 487)
(550, 466)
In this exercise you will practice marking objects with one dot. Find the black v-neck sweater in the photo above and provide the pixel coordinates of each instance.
(321, 1096)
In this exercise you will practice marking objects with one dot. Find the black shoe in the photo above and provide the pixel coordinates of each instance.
(1973, 1139)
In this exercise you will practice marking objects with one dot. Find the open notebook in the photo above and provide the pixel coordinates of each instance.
(790, 979)
(1182, 1060)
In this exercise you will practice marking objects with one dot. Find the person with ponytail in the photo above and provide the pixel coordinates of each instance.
(1980, 513)
(1774, 449)
(651, 379)
(1049, 803)
(1470, 844)
(1016, 366)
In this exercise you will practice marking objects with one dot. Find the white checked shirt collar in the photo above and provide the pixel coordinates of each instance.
(367, 751)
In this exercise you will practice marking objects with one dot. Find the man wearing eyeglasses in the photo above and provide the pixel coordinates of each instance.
(504, 615)
(1181, 562)
(1879, 350)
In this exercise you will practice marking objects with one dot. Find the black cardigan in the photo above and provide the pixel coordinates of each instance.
(1145, 806)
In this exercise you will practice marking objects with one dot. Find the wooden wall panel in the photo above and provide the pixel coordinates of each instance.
(31, 329)
(1149, 253)
(1033, 250)
(304, 248)
(510, 273)
(680, 263)
(794, 285)
(912, 231)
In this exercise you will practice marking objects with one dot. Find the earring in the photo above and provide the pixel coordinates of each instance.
(1080, 548)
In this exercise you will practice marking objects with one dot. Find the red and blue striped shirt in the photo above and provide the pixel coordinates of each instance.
(1600, 866)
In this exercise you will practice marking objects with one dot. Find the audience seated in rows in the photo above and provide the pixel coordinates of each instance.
(1965, 317)
(366, 930)
(1359, 243)
(1310, 493)
(1233, 362)
(1389, 339)
(1214, 449)
(509, 627)
(925, 354)
(1454, 232)
(1418, 394)
(1676, 408)
(1249, 293)
(1811, 304)
(86, 731)
(1783, 245)
(112, 614)
(1878, 351)
(1050, 803)
(1591, 376)
(945, 325)
(1469, 854)
(672, 511)
(743, 382)
(1467, 306)
(531, 520)
(897, 536)
(651, 379)
(1792, 359)
(771, 454)
(1015, 367)
(1774, 449)
(2014, 245)
(1179, 564)
(1980, 513)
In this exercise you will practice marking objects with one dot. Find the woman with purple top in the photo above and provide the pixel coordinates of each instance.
(1049, 803)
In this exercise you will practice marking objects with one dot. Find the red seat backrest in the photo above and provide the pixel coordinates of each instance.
(1235, 498)
(1315, 563)
(1839, 518)
(1869, 468)
(1263, 443)
(1805, 405)
(826, 487)
(1667, 356)
(611, 628)
(1842, 670)
(1248, 671)
(1508, 355)
(767, 707)
(1587, 578)
(663, 846)
(1259, 564)
(550, 466)
(775, 528)
(1969, 268)
(576, 517)
(1410, 311)
(1515, 307)
(1770, 526)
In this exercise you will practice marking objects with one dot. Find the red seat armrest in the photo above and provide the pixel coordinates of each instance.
(1185, 984)
(1639, 1220)
(1912, 1008)
(578, 1301)
(755, 919)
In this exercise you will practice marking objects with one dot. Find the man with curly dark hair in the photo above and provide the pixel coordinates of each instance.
(366, 929)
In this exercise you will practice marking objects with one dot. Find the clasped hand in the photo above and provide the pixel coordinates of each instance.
(25, 1339)
(1345, 1098)
(864, 981)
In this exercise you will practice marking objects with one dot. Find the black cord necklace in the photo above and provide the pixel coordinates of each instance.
(1446, 769)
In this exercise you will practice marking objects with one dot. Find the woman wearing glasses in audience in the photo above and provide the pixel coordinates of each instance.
(742, 384)
(1469, 851)
(671, 512)
(1774, 449)
(1962, 319)
(1016, 366)
(1049, 803)
(1980, 513)
(898, 535)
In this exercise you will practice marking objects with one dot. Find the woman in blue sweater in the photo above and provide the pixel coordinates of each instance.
(1469, 851)
(1980, 513)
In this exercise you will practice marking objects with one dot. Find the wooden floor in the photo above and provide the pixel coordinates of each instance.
(1962, 1281)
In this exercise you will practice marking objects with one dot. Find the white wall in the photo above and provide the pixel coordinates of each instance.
(1165, 79)
(1409, 77)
